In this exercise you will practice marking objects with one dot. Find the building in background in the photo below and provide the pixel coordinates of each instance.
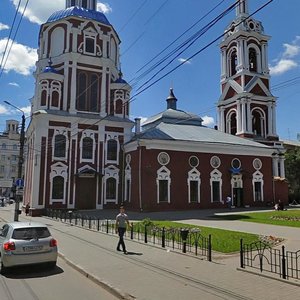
(9, 155)
(82, 153)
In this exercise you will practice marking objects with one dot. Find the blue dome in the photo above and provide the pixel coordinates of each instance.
(120, 80)
(50, 69)
(79, 12)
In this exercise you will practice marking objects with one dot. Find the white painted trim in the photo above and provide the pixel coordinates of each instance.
(163, 173)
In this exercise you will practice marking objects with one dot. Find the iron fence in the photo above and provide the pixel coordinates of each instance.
(263, 257)
(187, 240)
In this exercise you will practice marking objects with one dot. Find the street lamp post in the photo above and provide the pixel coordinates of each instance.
(19, 196)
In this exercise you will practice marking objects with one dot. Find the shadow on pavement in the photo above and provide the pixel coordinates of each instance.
(32, 272)
(133, 253)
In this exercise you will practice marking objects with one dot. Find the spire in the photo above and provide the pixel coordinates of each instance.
(171, 100)
(87, 4)
(242, 8)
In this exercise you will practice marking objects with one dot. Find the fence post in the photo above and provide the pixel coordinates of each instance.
(241, 254)
(283, 262)
(82, 220)
(98, 224)
(106, 226)
(163, 238)
(90, 222)
(209, 248)
(131, 231)
(146, 237)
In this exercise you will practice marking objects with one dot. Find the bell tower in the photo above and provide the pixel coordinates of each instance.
(246, 107)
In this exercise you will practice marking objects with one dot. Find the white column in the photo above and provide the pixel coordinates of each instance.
(66, 83)
(221, 120)
(270, 123)
(249, 119)
(282, 170)
(275, 166)
(243, 103)
(238, 118)
(223, 63)
(274, 119)
(73, 87)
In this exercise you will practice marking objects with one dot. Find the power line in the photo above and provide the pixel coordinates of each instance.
(10, 33)
(13, 40)
(201, 50)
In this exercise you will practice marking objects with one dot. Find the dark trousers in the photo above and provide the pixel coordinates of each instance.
(121, 232)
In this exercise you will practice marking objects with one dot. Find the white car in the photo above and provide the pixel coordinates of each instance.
(26, 243)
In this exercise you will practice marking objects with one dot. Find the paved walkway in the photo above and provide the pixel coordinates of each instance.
(153, 273)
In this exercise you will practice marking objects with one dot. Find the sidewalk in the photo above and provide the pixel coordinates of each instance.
(153, 273)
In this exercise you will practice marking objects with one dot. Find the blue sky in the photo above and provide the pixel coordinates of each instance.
(145, 28)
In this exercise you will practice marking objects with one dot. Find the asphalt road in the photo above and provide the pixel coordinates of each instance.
(36, 283)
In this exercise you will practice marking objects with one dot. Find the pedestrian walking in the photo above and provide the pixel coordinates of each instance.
(121, 224)
(229, 202)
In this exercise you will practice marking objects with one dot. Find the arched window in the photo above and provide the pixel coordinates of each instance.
(112, 150)
(119, 107)
(258, 123)
(55, 99)
(60, 146)
(57, 41)
(44, 98)
(252, 60)
(72, 2)
(233, 62)
(111, 188)
(87, 148)
(58, 187)
(233, 128)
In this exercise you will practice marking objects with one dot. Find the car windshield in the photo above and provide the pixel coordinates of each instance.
(30, 233)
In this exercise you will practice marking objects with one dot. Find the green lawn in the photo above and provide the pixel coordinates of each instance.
(283, 218)
(224, 241)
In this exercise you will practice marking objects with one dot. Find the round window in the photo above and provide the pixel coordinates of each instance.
(215, 162)
(236, 163)
(163, 158)
(257, 164)
(194, 161)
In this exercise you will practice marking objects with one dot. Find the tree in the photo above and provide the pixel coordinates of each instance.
(292, 169)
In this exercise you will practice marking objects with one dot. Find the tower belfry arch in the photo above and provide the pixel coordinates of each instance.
(245, 80)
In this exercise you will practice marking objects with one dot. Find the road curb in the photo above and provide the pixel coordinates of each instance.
(269, 277)
(107, 286)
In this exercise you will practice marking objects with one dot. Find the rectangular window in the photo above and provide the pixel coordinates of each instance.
(257, 191)
(194, 191)
(90, 45)
(163, 190)
(2, 169)
(2, 157)
(216, 191)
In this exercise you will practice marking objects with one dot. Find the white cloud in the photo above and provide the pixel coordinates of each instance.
(291, 50)
(38, 11)
(208, 121)
(4, 110)
(14, 84)
(282, 66)
(21, 58)
(184, 60)
(3, 26)
(104, 7)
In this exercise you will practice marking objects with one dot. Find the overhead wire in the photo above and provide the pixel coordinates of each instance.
(14, 38)
(9, 35)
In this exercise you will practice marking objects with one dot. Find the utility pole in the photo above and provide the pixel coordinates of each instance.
(19, 193)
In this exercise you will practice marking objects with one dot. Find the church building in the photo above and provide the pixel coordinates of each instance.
(83, 153)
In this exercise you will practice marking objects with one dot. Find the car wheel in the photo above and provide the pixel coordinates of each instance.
(3, 269)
